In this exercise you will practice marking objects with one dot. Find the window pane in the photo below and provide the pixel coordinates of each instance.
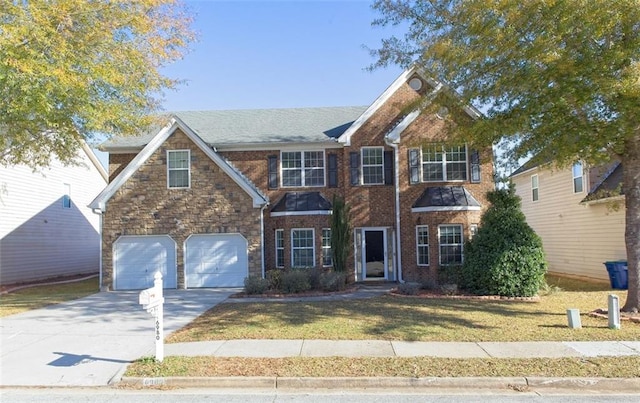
(450, 239)
(422, 242)
(314, 177)
(327, 259)
(292, 178)
(291, 160)
(456, 171)
(372, 175)
(178, 179)
(178, 159)
(432, 172)
(314, 159)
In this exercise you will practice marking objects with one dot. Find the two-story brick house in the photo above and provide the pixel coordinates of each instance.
(217, 196)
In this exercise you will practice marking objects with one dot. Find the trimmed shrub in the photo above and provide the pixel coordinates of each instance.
(274, 278)
(255, 285)
(332, 281)
(409, 288)
(295, 281)
(505, 257)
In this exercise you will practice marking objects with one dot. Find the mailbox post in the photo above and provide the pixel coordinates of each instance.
(152, 300)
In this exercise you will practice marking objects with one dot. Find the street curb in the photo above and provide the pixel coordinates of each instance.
(346, 383)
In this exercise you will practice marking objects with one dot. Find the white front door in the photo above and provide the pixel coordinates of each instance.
(371, 254)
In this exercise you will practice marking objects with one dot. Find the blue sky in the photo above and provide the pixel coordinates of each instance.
(279, 54)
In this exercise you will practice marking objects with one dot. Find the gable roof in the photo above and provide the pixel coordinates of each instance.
(259, 199)
(610, 186)
(345, 138)
(237, 128)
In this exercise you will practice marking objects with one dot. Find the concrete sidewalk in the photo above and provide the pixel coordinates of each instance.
(380, 348)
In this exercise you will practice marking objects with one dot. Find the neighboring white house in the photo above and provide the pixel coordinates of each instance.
(46, 228)
(579, 214)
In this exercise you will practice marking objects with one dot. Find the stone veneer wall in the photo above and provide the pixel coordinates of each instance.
(213, 204)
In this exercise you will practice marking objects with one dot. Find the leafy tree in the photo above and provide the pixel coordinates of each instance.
(559, 79)
(72, 68)
(340, 234)
(505, 257)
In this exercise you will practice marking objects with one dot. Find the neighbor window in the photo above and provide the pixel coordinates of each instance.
(279, 248)
(302, 248)
(372, 165)
(302, 168)
(178, 169)
(327, 260)
(422, 245)
(66, 197)
(577, 177)
(440, 164)
(450, 240)
(534, 187)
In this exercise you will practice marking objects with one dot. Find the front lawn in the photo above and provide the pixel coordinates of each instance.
(415, 319)
(40, 296)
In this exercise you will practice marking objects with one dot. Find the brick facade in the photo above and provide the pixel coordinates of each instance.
(216, 204)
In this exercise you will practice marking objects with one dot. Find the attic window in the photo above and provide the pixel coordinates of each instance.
(415, 83)
(178, 169)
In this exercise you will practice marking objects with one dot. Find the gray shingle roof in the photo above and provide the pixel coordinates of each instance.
(258, 126)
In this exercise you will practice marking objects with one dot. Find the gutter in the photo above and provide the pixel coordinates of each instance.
(396, 173)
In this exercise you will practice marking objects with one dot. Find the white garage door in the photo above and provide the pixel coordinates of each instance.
(136, 259)
(216, 260)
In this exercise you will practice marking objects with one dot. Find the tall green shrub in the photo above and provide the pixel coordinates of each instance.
(505, 257)
(340, 234)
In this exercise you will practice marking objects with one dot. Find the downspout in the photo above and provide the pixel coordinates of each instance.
(262, 239)
(396, 152)
(99, 213)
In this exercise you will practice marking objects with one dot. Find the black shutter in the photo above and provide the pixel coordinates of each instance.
(414, 166)
(273, 172)
(475, 166)
(354, 168)
(388, 168)
(332, 162)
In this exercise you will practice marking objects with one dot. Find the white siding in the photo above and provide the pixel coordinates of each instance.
(577, 238)
(39, 238)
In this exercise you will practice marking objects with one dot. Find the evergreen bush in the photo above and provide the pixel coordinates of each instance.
(255, 285)
(505, 257)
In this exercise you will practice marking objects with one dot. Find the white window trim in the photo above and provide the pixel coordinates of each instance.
(313, 236)
(362, 165)
(419, 244)
(444, 166)
(66, 197)
(188, 169)
(326, 248)
(535, 196)
(440, 244)
(573, 177)
(277, 248)
(302, 169)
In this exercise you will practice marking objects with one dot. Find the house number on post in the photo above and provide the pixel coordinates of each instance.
(152, 300)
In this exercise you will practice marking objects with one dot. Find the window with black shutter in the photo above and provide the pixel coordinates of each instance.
(332, 163)
(414, 166)
(388, 168)
(354, 168)
(475, 166)
(273, 172)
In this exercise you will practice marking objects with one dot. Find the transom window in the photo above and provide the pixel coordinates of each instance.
(441, 164)
(372, 165)
(450, 240)
(422, 245)
(534, 188)
(279, 248)
(178, 169)
(302, 248)
(302, 168)
(327, 259)
(577, 177)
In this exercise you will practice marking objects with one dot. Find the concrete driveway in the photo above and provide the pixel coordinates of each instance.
(88, 341)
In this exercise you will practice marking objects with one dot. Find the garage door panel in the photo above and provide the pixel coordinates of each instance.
(138, 258)
(216, 260)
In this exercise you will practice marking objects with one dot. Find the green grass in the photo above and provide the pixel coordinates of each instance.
(608, 367)
(40, 296)
(415, 319)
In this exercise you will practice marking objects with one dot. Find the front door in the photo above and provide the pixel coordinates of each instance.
(371, 254)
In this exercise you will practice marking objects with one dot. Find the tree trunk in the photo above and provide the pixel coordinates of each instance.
(631, 187)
